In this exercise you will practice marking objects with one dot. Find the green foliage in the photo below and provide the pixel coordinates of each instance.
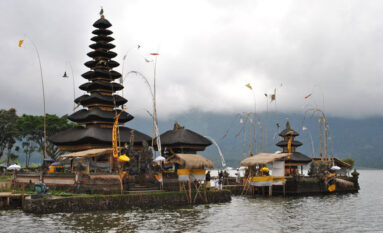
(349, 161)
(8, 132)
(31, 129)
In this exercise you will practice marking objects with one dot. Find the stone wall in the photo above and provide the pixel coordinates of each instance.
(114, 202)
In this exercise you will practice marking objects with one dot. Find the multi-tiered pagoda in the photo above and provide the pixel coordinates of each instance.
(296, 158)
(101, 103)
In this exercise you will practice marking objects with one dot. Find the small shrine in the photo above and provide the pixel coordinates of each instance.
(289, 145)
(183, 141)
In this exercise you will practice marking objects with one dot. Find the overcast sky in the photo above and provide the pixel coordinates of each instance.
(209, 51)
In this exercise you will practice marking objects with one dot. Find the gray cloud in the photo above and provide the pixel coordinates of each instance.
(209, 51)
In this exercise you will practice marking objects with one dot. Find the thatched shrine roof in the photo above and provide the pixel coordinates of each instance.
(99, 63)
(263, 158)
(288, 131)
(337, 162)
(181, 136)
(101, 45)
(102, 23)
(97, 98)
(286, 143)
(297, 157)
(97, 114)
(99, 85)
(101, 53)
(102, 32)
(87, 153)
(95, 135)
(99, 73)
(190, 161)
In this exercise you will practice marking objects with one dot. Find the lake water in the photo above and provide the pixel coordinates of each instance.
(361, 212)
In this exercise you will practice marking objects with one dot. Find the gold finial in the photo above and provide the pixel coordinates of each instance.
(102, 13)
(288, 124)
(177, 126)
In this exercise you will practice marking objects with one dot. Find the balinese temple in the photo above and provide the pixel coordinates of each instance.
(184, 141)
(296, 158)
(101, 103)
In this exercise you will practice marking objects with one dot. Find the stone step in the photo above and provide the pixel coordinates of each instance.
(143, 191)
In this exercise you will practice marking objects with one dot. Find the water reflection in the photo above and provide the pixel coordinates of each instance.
(334, 213)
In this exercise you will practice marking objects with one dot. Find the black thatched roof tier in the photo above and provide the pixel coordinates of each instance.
(297, 157)
(99, 85)
(101, 53)
(101, 45)
(286, 143)
(181, 136)
(98, 73)
(96, 98)
(95, 135)
(288, 131)
(102, 23)
(102, 38)
(97, 114)
(103, 32)
(100, 63)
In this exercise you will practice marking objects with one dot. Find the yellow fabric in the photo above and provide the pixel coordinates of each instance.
(198, 171)
(114, 134)
(183, 172)
(123, 158)
(20, 42)
(265, 169)
(331, 188)
(266, 178)
(289, 145)
(249, 86)
(261, 178)
(51, 169)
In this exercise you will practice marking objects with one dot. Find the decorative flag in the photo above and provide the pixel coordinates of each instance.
(20, 42)
(154, 54)
(307, 96)
(249, 86)
(273, 95)
(259, 123)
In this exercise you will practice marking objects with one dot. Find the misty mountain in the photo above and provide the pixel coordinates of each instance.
(359, 139)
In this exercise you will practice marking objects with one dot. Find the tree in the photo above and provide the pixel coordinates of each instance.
(8, 131)
(28, 148)
(349, 161)
(32, 129)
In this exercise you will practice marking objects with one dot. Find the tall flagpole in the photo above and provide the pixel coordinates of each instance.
(42, 85)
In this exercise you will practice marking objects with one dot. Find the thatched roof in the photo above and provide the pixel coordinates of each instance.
(95, 135)
(298, 157)
(288, 131)
(190, 161)
(337, 162)
(87, 153)
(180, 136)
(262, 158)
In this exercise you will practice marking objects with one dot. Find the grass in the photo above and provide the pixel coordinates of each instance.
(5, 178)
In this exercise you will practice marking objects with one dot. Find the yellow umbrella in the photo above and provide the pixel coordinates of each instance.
(123, 158)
